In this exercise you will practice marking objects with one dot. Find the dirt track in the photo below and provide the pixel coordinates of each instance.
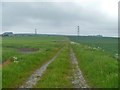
(78, 80)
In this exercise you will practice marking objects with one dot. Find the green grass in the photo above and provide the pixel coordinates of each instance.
(10, 45)
(18, 72)
(99, 69)
(58, 72)
(0, 78)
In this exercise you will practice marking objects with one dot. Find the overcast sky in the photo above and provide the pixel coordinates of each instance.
(93, 16)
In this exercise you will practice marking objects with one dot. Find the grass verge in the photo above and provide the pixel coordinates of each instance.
(99, 69)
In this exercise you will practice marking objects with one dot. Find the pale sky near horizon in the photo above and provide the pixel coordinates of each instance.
(95, 17)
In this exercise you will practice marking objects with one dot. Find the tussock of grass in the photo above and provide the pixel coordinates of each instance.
(99, 69)
(57, 73)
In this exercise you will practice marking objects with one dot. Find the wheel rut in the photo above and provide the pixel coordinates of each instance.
(78, 80)
(36, 76)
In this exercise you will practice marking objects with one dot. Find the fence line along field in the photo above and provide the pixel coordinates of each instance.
(22, 55)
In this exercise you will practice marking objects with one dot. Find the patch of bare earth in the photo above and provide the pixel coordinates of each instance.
(36, 76)
(28, 50)
(78, 80)
(5, 63)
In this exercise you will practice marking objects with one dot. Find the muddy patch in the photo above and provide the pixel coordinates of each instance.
(28, 50)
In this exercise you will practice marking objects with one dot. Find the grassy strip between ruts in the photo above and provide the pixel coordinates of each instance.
(100, 70)
(58, 72)
(16, 73)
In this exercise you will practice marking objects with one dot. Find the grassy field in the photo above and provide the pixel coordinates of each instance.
(22, 55)
(99, 69)
(12, 45)
(26, 62)
(96, 57)
(108, 44)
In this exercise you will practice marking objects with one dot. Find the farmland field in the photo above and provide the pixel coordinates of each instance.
(109, 44)
(22, 56)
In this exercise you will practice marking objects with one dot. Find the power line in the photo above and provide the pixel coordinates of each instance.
(35, 31)
(78, 31)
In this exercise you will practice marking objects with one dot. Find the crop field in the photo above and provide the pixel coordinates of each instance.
(47, 62)
(108, 44)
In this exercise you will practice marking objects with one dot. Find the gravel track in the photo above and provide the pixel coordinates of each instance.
(78, 80)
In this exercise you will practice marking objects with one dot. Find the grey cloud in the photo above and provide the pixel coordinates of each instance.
(55, 17)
